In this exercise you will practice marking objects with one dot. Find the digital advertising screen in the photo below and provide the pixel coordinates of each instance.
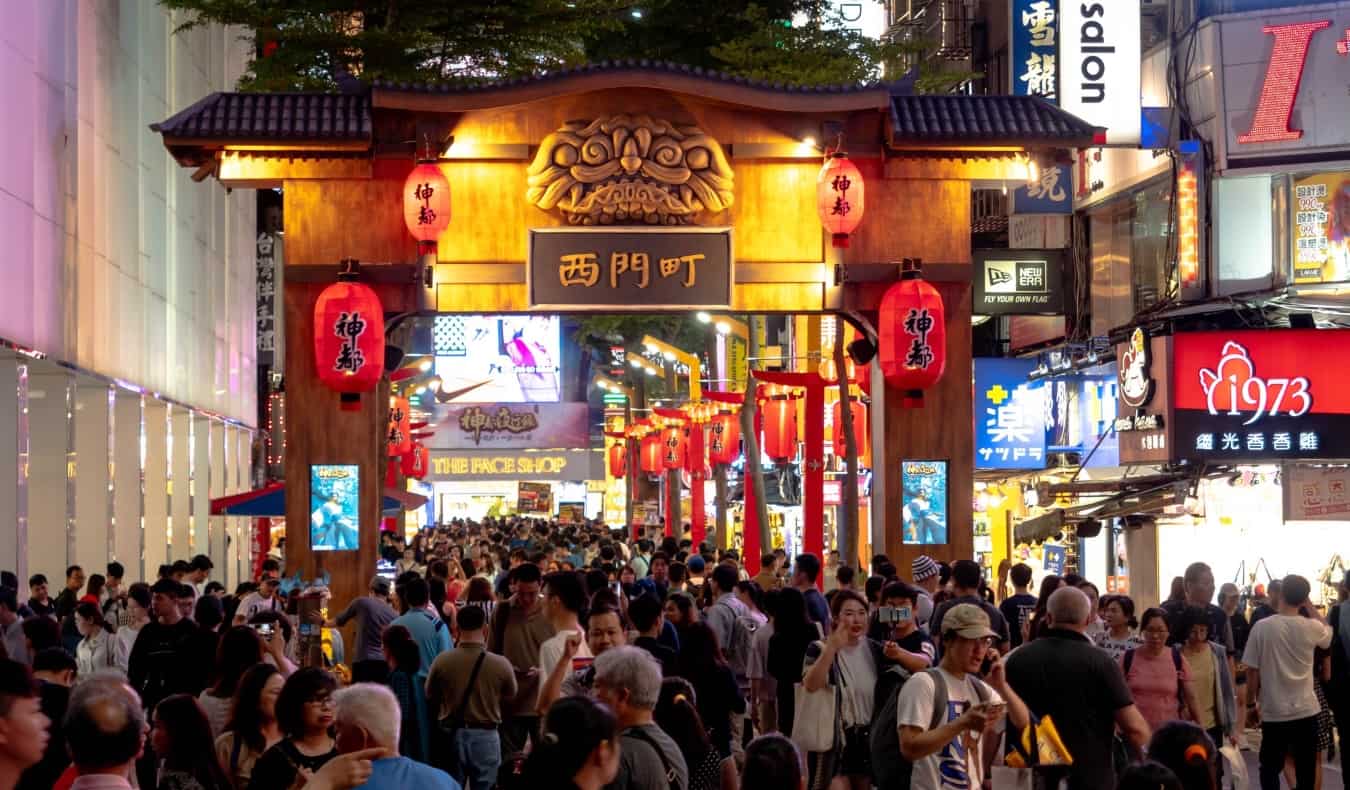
(334, 507)
(924, 513)
(505, 358)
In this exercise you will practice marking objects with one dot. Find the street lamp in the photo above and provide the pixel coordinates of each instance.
(672, 354)
(611, 385)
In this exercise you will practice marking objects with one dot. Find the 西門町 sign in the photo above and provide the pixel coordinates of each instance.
(629, 268)
(1019, 282)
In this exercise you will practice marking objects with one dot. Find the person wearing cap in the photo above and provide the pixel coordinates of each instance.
(953, 753)
(263, 600)
(926, 573)
(372, 613)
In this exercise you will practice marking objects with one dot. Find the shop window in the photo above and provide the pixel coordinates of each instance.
(1150, 246)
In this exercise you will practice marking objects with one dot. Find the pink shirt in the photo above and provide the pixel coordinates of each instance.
(1153, 682)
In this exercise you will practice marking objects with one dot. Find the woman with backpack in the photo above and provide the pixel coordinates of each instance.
(1158, 676)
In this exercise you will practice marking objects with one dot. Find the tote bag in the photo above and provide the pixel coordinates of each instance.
(813, 721)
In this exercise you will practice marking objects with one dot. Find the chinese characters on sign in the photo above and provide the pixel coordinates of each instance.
(1035, 43)
(1321, 228)
(630, 268)
(473, 421)
(424, 192)
(1314, 493)
(1048, 194)
(268, 255)
(1030, 284)
(349, 327)
(1009, 415)
(919, 323)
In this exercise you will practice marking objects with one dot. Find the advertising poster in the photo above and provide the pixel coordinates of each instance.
(513, 427)
(1314, 493)
(1019, 282)
(1321, 228)
(534, 498)
(1054, 560)
(507, 359)
(924, 513)
(335, 507)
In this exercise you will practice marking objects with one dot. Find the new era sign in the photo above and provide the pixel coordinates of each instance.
(1019, 282)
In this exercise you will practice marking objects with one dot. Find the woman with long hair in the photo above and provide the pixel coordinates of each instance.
(478, 592)
(1036, 624)
(239, 650)
(793, 632)
(181, 736)
(455, 581)
(304, 710)
(577, 750)
(405, 660)
(1158, 676)
(677, 715)
(772, 762)
(99, 649)
(718, 694)
(252, 728)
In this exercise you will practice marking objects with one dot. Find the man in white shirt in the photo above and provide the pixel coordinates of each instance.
(952, 749)
(1280, 667)
(564, 596)
(264, 600)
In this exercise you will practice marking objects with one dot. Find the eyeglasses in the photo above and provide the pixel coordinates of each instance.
(322, 702)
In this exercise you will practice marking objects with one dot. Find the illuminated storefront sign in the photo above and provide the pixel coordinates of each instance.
(544, 465)
(1261, 394)
(633, 268)
(1142, 422)
(1009, 415)
(1190, 180)
(1019, 282)
(1099, 79)
(1279, 91)
(515, 427)
(1035, 48)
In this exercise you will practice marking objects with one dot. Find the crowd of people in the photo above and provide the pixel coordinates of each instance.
(518, 653)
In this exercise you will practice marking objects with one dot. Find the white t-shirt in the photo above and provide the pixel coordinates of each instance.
(550, 653)
(1281, 646)
(858, 673)
(954, 766)
(254, 603)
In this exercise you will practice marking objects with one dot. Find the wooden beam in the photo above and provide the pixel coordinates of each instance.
(261, 171)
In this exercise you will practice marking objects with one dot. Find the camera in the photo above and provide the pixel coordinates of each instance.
(890, 615)
(264, 630)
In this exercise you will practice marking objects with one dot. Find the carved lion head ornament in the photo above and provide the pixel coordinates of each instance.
(630, 169)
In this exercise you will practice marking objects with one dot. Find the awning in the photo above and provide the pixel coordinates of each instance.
(270, 502)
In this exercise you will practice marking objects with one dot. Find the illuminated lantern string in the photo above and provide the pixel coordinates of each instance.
(839, 197)
(426, 205)
(1188, 225)
(912, 337)
(349, 340)
(618, 460)
(780, 428)
(859, 412)
(400, 437)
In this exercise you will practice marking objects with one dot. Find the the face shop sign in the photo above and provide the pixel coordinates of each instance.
(1099, 78)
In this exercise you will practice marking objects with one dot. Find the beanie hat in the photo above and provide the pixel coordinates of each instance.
(923, 567)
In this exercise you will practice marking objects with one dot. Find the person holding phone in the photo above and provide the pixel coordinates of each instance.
(895, 626)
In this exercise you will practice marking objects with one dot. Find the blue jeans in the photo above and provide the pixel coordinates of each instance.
(479, 754)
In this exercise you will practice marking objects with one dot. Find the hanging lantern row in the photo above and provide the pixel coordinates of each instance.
(839, 197)
(349, 339)
(912, 337)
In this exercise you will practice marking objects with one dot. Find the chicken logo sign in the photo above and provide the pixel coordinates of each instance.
(1233, 388)
(1136, 385)
(1252, 395)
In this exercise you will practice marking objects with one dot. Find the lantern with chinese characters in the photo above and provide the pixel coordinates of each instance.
(724, 438)
(839, 197)
(618, 460)
(674, 445)
(859, 412)
(426, 205)
(416, 461)
(349, 340)
(780, 428)
(912, 337)
(400, 437)
(650, 450)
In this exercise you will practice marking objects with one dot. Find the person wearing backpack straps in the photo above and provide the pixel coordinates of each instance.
(628, 680)
(730, 620)
(950, 722)
(1158, 676)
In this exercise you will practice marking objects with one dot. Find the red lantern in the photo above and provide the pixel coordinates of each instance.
(839, 197)
(859, 427)
(426, 203)
(724, 439)
(780, 428)
(674, 446)
(349, 340)
(416, 461)
(695, 462)
(400, 437)
(650, 448)
(912, 337)
(618, 460)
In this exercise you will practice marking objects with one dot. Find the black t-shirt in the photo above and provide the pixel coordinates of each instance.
(279, 765)
(1066, 677)
(996, 621)
(1017, 611)
(165, 660)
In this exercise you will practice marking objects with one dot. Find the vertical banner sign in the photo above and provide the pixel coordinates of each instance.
(1321, 228)
(269, 287)
(1099, 66)
(1009, 415)
(1190, 202)
(1035, 47)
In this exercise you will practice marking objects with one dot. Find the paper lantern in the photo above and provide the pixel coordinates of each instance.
(724, 438)
(780, 428)
(839, 197)
(426, 203)
(650, 454)
(400, 437)
(618, 460)
(674, 447)
(416, 461)
(349, 340)
(912, 337)
(695, 461)
(859, 412)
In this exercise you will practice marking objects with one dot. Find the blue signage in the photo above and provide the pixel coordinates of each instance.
(1053, 560)
(1010, 415)
(1052, 193)
(1035, 44)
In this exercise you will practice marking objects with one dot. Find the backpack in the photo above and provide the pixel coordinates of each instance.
(741, 646)
(891, 770)
(1128, 660)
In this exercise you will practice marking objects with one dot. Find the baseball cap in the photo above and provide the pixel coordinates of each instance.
(923, 567)
(379, 585)
(968, 621)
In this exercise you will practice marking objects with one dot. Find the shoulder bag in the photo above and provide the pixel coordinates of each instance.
(815, 717)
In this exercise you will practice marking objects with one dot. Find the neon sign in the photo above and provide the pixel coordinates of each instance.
(1280, 89)
(1188, 225)
(1234, 389)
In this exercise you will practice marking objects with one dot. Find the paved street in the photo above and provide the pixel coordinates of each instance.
(1331, 771)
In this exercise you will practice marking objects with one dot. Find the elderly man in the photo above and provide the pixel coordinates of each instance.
(628, 680)
(368, 719)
